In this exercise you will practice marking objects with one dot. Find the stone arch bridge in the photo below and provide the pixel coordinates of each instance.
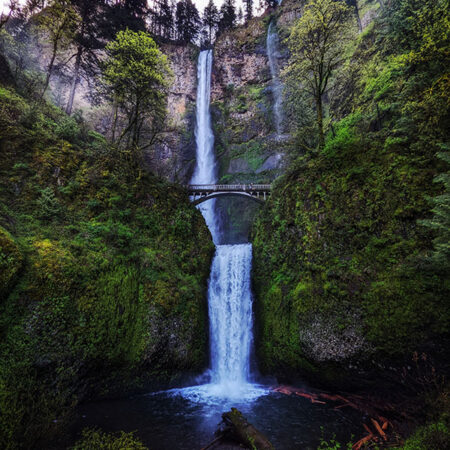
(202, 192)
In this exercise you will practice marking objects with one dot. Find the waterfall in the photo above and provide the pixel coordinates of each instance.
(206, 168)
(277, 87)
(230, 314)
(229, 289)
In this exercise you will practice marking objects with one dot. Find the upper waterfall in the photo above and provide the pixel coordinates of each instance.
(206, 168)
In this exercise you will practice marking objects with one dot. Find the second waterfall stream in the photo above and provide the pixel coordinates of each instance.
(229, 290)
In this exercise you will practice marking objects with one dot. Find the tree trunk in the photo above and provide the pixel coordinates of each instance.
(136, 128)
(320, 121)
(358, 18)
(75, 80)
(116, 116)
(244, 432)
(49, 70)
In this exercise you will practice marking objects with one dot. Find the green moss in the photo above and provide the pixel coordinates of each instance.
(95, 439)
(340, 244)
(434, 436)
(114, 264)
(10, 262)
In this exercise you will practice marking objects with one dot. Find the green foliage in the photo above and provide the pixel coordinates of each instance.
(316, 44)
(338, 246)
(48, 205)
(113, 264)
(10, 261)
(59, 23)
(440, 223)
(95, 439)
(332, 444)
(137, 75)
(435, 436)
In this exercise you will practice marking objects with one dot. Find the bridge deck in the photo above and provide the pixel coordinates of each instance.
(229, 187)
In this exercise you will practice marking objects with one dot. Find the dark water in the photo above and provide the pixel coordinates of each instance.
(166, 421)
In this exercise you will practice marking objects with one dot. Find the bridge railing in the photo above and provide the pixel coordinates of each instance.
(229, 187)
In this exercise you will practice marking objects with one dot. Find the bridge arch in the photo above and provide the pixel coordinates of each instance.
(207, 197)
(200, 193)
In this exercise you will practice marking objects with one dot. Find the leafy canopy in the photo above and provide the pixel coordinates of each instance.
(137, 74)
(317, 43)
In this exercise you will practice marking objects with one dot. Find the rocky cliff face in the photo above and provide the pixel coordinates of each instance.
(174, 154)
(242, 106)
(342, 289)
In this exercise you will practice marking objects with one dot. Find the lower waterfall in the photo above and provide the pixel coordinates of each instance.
(230, 315)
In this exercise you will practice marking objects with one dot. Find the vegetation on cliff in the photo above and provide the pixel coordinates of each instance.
(343, 268)
(104, 270)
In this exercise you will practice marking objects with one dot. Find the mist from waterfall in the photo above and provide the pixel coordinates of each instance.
(272, 45)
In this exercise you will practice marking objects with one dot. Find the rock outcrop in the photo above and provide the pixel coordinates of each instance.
(241, 103)
(173, 156)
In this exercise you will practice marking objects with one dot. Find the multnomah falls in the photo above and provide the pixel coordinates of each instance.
(229, 291)
(224, 224)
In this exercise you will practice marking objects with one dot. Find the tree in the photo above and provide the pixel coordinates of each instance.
(440, 222)
(227, 16)
(59, 22)
(248, 9)
(129, 14)
(211, 19)
(136, 76)
(316, 43)
(33, 6)
(354, 4)
(269, 3)
(165, 19)
(87, 39)
(12, 8)
(187, 21)
(240, 16)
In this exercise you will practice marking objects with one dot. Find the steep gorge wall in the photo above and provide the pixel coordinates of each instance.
(103, 272)
(344, 290)
(173, 156)
(241, 104)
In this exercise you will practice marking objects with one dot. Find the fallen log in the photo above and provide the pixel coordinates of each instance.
(212, 443)
(236, 426)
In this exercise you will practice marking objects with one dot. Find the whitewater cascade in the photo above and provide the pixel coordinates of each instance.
(229, 290)
(206, 168)
(230, 315)
(272, 45)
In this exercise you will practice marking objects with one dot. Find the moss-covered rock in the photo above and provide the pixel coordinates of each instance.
(341, 268)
